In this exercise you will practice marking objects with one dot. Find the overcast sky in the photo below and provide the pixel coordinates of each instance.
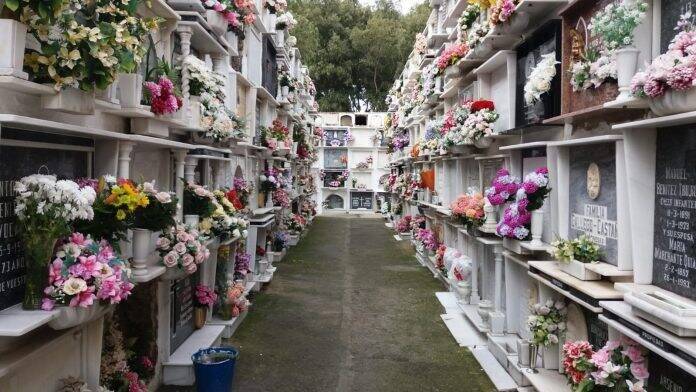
(406, 5)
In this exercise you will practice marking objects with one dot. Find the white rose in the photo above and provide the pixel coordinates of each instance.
(74, 285)
(543, 86)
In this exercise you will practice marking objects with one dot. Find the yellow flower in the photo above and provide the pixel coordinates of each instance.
(483, 3)
(68, 58)
(120, 215)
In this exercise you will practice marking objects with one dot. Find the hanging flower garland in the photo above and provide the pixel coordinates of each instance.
(540, 79)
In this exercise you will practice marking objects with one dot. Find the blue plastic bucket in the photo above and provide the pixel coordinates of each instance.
(214, 368)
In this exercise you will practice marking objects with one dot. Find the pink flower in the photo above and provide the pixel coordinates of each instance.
(639, 370)
(249, 19)
(180, 248)
(186, 260)
(83, 299)
(78, 239)
(634, 353)
(86, 268)
(654, 88)
(170, 259)
(154, 89)
(191, 268)
(109, 288)
(47, 304)
(55, 272)
(601, 357)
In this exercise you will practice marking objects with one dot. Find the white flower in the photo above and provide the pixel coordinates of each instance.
(74, 285)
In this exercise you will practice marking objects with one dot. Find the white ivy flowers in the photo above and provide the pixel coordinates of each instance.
(592, 70)
(218, 122)
(540, 79)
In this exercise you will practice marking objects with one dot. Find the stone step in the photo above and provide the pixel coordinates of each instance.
(462, 331)
(448, 301)
(500, 378)
(178, 369)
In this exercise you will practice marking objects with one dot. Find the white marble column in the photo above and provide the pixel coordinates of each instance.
(125, 148)
(475, 252)
(190, 169)
(498, 293)
(180, 162)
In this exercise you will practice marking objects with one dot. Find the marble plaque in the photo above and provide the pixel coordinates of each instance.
(545, 40)
(674, 252)
(576, 324)
(334, 137)
(181, 310)
(667, 377)
(597, 330)
(669, 16)
(361, 200)
(15, 163)
(592, 196)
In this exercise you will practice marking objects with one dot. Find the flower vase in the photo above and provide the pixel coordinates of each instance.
(130, 88)
(491, 217)
(438, 84)
(550, 357)
(38, 250)
(463, 292)
(533, 354)
(537, 227)
(142, 239)
(200, 313)
(626, 66)
(14, 35)
(285, 90)
(280, 38)
(674, 102)
(484, 308)
(269, 201)
(192, 220)
(483, 142)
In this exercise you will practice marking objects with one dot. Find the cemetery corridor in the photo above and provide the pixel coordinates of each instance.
(351, 310)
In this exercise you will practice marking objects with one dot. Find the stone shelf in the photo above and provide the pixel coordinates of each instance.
(530, 128)
(24, 86)
(523, 146)
(618, 315)
(539, 10)
(594, 113)
(153, 272)
(630, 103)
(548, 381)
(516, 258)
(267, 95)
(543, 247)
(15, 321)
(608, 270)
(230, 325)
(202, 38)
(586, 140)
(21, 356)
(659, 122)
(585, 293)
(495, 371)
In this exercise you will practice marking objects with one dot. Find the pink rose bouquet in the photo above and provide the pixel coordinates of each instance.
(85, 271)
(183, 248)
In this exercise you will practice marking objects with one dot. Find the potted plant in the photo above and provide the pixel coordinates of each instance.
(45, 208)
(85, 276)
(614, 26)
(156, 216)
(574, 255)
(203, 300)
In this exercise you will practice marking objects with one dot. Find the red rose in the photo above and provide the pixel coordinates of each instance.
(482, 104)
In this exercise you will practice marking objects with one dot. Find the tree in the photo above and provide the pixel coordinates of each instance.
(354, 52)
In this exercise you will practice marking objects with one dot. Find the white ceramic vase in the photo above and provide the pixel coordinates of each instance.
(484, 308)
(142, 239)
(578, 270)
(626, 66)
(216, 21)
(130, 87)
(70, 100)
(14, 35)
(537, 227)
(550, 357)
(674, 102)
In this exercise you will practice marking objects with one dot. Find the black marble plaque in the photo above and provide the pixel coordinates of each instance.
(545, 40)
(668, 377)
(674, 255)
(181, 310)
(361, 200)
(593, 208)
(669, 16)
(15, 163)
(597, 330)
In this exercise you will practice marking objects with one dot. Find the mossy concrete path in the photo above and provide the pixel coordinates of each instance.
(350, 309)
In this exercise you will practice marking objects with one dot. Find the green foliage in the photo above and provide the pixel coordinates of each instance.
(157, 216)
(355, 52)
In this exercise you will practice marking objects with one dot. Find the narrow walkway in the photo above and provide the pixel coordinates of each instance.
(351, 310)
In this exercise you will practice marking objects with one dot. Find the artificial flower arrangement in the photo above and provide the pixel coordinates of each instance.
(114, 205)
(672, 70)
(451, 55)
(110, 38)
(421, 44)
(431, 140)
(308, 208)
(468, 208)
(120, 368)
(276, 6)
(237, 13)
(242, 264)
(159, 212)
(417, 223)
(366, 164)
(428, 239)
(582, 249)
(223, 222)
(592, 69)
(403, 225)
(476, 34)
(469, 122)
(205, 297)
(440, 258)
(539, 81)
(281, 198)
(162, 96)
(270, 180)
(286, 21)
(286, 80)
(503, 188)
(198, 200)
(501, 12)
(279, 131)
(614, 24)
(233, 302)
(547, 322)
(279, 240)
(428, 80)
(218, 122)
(182, 247)
(295, 223)
(85, 271)
(529, 196)
(618, 366)
(469, 16)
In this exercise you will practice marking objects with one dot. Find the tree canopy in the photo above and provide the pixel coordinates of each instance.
(354, 52)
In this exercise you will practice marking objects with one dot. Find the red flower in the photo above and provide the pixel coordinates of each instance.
(482, 104)
(233, 198)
